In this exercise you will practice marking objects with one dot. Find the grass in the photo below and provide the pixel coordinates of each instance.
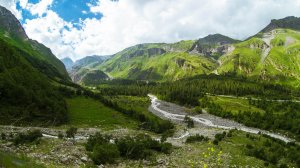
(235, 104)
(168, 66)
(9, 160)
(280, 66)
(140, 104)
(86, 112)
(200, 153)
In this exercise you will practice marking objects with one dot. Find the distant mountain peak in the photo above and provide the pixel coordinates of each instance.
(213, 45)
(217, 39)
(68, 62)
(290, 22)
(10, 24)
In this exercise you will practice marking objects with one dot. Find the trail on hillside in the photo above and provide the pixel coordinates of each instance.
(177, 113)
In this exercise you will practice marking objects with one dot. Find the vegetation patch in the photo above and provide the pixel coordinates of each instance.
(87, 112)
(103, 150)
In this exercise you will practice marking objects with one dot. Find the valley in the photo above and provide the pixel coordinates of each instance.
(214, 101)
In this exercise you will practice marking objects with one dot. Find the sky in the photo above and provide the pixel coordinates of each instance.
(79, 28)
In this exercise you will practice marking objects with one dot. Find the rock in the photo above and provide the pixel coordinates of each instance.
(84, 159)
(64, 160)
(160, 161)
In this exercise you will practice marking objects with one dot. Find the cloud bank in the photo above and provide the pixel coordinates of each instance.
(129, 22)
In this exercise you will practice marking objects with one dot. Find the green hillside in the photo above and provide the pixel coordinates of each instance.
(27, 71)
(159, 62)
(27, 97)
(271, 56)
(38, 55)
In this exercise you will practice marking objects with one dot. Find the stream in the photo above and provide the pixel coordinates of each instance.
(176, 113)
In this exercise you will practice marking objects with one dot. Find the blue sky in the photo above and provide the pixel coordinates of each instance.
(79, 28)
(69, 10)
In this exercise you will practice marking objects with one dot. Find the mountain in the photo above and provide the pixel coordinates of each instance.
(68, 62)
(28, 72)
(90, 61)
(290, 22)
(11, 25)
(157, 62)
(83, 70)
(271, 55)
(214, 45)
(39, 55)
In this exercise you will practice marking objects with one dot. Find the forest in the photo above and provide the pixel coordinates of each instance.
(26, 95)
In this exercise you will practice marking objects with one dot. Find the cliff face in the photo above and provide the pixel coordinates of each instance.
(10, 24)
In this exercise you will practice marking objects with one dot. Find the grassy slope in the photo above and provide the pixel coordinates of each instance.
(281, 64)
(176, 63)
(40, 56)
(86, 112)
(234, 104)
(140, 104)
(12, 161)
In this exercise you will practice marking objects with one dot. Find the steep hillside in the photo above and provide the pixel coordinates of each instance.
(214, 46)
(39, 55)
(83, 70)
(27, 71)
(290, 22)
(160, 62)
(27, 97)
(271, 56)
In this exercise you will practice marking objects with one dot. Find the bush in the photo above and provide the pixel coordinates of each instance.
(96, 139)
(189, 122)
(138, 147)
(105, 153)
(198, 109)
(29, 137)
(71, 132)
(216, 142)
(196, 138)
(220, 137)
(60, 135)
(166, 148)
(3, 136)
(166, 134)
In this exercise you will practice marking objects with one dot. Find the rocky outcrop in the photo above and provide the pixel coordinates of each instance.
(10, 23)
(290, 22)
(148, 52)
(213, 45)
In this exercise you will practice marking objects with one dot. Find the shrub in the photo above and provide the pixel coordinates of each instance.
(198, 109)
(29, 137)
(166, 134)
(60, 135)
(166, 148)
(3, 136)
(105, 153)
(189, 122)
(216, 142)
(96, 139)
(196, 138)
(138, 147)
(220, 137)
(71, 132)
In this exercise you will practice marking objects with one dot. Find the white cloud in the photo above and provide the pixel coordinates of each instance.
(128, 22)
(11, 5)
(36, 9)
